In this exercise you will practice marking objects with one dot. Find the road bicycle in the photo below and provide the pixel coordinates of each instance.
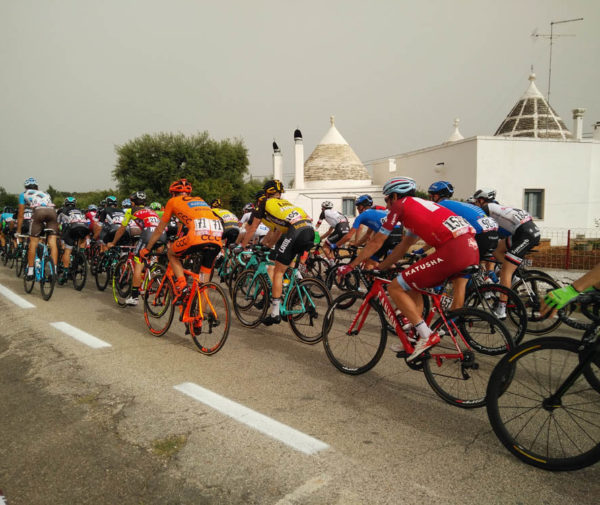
(105, 266)
(44, 269)
(457, 369)
(20, 254)
(304, 304)
(544, 399)
(122, 278)
(77, 268)
(203, 308)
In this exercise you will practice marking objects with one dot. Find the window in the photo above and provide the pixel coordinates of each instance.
(534, 202)
(348, 207)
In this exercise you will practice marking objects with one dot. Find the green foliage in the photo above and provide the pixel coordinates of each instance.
(216, 169)
(8, 199)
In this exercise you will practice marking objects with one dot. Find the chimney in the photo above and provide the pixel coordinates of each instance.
(597, 130)
(299, 160)
(277, 162)
(578, 123)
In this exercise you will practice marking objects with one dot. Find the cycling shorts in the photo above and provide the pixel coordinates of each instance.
(295, 241)
(449, 259)
(230, 235)
(72, 233)
(487, 242)
(43, 217)
(338, 232)
(524, 238)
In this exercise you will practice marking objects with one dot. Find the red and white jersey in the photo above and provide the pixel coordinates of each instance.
(508, 218)
(428, 220)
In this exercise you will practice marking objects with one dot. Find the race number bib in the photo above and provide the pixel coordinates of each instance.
(205, 226)
(487, 224)
(294, 216)
(153, 221)
(457, 225)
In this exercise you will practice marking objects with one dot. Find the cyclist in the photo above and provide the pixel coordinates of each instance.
(486, 231)
(372, 219)
(558, 298)
(157, 207)
(147, 220)
(260, 232)
(229, 220)
(126, 204)
(204, 232)
(296, 236)
(109, 220)
(338, 227)
(74, 229)
(518, 235)
(451, 235)
(8, 225)
(44, 216)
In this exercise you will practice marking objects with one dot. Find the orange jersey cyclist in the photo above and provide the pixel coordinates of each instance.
(296, 236)
(204, 231)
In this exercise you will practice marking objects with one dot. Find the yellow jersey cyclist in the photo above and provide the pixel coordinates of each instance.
(229, 220)
(296, 236)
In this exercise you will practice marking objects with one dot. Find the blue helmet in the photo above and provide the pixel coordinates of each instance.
(111, 201)
(442, 188)
(400, 185)
(70, 202)
(126, 204)
(365, 200)
(31, 183)
(92, 207)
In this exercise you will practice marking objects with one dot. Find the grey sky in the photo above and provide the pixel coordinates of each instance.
(81, 76)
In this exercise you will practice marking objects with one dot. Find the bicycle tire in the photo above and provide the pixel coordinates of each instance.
(5, 253)
(122, 281)
(350, 282)
(28, 284)
(79, 270)
(20, 262)
(553, 437)
(487, 297)
(566, 315)
(250, 297)
(103, 272)
(358, 353)
(532, 290)
(158, 306)
(592, 373)
(317, 267)
(463, 382)
(210, 308)
(312, 297)
(48, 280)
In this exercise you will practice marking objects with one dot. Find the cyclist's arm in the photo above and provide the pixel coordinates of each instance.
(155, 234)
(250, 230)
(121, 231)
(558, 298)
(346, 238)
(271, 238)
(364, 238)
(399, 251)
(592, 278)
(20, 213)
(370, 249)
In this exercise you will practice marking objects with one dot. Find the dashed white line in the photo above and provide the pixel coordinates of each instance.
(80, 335)
(306, 489)
(16, 299)
(279, 431)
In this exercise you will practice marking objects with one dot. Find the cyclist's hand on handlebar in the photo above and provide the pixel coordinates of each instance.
(344, 270)
(558, 298)
(143, 253)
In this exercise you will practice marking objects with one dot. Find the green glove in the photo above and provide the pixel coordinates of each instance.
(560, 297)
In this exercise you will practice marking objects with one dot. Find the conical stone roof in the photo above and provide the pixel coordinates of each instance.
(334, 159)
(533, 116)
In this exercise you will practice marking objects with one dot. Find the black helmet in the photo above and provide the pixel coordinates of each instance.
(70, 202)
(138, 198)
(273, 186)
(111, 201)
(216, 203)
(259, 194)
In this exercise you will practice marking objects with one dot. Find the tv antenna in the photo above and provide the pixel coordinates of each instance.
(551, 36)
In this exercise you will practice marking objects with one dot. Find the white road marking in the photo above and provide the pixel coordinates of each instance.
(308, 488)
(279, 431)
(82, 336)
(16, 299)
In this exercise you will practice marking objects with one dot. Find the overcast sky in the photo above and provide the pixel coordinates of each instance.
(78, 77)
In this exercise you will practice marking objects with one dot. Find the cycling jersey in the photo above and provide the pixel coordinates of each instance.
(110, 216)
(228, 218)
(143, 217)
(431, 222)
(332, 217)
(280, 215)
(91, 218)
(476, 217)
(74, 226)
(508, 218)
(35, 198)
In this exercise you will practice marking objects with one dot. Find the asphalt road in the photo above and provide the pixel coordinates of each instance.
(106, 425)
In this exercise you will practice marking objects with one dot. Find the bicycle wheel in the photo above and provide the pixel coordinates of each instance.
(357, 351)
(79, 270)
(592, 373)
(532, 290)
(210, 308)
(5, 253)
(350, 282)
(158, 305)
(550, 434)
(573, 315)
(122, 281)
(103, 271)
(28, 285)
(317, 267)
(486, 297)
(459, 367)
(48, 279)
(310, 298)
(21, 262)
(251, 296)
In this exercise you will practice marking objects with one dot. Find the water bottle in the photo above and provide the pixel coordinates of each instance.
(37, 264)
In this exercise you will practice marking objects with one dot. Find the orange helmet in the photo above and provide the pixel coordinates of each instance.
(180, 186)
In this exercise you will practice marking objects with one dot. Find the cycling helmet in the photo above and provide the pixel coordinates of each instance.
(180, 186)
(273, 186)
(126, 204)
(249, 207)
(442, 188)
(110, 201)
(365, 200)
(259, 194)
(138, 198)
(31, 183)
(155, 206)
(470, 199)
(70, 202)
(400, 185)
(216, 203)
(327, 205)
(485, 193)
(92, 207)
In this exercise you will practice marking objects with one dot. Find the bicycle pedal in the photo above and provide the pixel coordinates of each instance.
(402, 354)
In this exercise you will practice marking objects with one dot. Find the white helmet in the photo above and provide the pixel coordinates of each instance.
(327, 205)
(485, 193)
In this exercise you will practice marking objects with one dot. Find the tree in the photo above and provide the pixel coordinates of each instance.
(216, 169)
(8, 199)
